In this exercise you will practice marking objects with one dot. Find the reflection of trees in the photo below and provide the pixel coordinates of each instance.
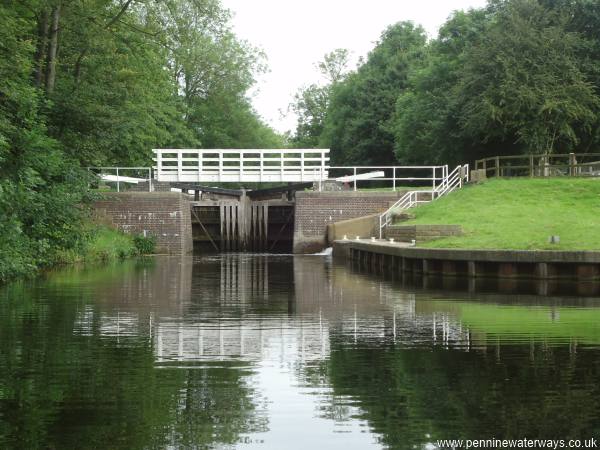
(408, 394)
(59, 389)
(215, 406)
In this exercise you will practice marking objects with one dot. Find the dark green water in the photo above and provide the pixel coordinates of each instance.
(277, 352)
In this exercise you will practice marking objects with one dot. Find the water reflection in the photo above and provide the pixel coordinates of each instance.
(268, 351)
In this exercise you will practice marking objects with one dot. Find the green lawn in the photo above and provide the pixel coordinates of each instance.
(519, 214)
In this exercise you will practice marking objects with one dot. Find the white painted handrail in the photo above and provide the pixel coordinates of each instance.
(241, 165)
(106, 174)
(452, 181)
(433, 175)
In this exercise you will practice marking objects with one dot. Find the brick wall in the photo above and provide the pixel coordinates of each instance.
(164, 215)
(421, 233)
(315, 210)
(157, 186)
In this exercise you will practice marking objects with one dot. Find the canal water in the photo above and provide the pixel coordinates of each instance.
(288, 352)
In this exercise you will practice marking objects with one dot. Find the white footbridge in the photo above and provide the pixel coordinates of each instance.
(241, 165)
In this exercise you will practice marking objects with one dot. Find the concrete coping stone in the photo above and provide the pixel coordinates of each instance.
(423, 227)
(149, 195)
(520, 256)
(351, 194)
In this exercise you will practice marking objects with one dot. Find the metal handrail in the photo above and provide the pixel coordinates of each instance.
(438, 173)
(451, 182)
(122, 178)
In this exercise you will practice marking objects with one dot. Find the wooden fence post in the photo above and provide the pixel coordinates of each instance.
(531, 168)
(572, 164)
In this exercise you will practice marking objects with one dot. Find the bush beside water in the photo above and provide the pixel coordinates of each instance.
(145, 245)
(98, 243)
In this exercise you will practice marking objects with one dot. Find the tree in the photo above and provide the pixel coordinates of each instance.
(310, 106)
(311, 102)
(523, 80)
(334, 65)
(425, 122)
(215, 69)
(102, 82)
(40, 187)
(357, 126)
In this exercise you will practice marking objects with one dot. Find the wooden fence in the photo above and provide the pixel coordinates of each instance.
(569, 164)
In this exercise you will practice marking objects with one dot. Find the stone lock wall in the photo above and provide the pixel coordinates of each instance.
(365, 227)
(315, 210)
(421, 233)
(163, 215)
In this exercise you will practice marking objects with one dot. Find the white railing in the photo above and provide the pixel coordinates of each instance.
(241, 165)
(426, 175)
(126, 175)
(452, 181)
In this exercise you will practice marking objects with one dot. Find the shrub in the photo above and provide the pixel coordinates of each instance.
(145, 245)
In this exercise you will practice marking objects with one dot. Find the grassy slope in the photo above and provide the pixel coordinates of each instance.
(519, 214)
(105, 244)
(108, 244)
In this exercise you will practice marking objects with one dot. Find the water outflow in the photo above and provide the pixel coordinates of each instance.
(326, 252)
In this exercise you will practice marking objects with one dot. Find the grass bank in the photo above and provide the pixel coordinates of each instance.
(519, 214)
(103, 243)
(96, 244)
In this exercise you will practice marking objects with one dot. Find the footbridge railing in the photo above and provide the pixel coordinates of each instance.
(452, 181)
(241, 165)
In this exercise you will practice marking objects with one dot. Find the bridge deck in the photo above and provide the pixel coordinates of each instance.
(237, 165)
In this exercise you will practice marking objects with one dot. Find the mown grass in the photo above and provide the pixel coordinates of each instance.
(519, 214)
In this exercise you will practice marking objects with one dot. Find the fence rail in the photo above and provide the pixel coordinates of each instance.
(566, 164)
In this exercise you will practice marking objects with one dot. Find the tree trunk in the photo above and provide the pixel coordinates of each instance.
(43, 28)
(52, 48)
(78, 63)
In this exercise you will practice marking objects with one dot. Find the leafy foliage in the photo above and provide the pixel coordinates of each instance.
(101, 82)
(523, 80)
(357, 126)
(518, 76)
(312, 102)
(144, 244)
